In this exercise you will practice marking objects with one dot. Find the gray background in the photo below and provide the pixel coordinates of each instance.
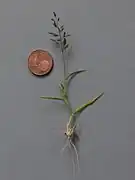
(103, 40)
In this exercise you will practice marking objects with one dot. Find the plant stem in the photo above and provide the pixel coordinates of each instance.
(68, 104)
(66, 99)
(62, 51)
(65, 81)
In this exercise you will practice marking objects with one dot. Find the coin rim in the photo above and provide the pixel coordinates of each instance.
(49, 69)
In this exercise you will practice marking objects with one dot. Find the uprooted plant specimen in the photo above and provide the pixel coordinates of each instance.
(60, 38)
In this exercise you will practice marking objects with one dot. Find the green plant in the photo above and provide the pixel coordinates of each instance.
(60, 38)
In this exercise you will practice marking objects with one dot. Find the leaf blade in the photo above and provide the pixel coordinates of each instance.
(89, 103)
(74, 74)
(51, 98)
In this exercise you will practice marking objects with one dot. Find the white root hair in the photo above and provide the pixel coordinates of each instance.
(76, 152)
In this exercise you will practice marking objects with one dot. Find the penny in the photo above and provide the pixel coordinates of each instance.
(40, 62)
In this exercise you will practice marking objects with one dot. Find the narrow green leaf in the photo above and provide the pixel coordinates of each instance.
(52, 98)
(91, 102)
(73, 74)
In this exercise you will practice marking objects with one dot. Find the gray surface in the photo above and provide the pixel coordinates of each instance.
(103, 39)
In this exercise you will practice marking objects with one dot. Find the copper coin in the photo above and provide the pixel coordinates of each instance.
(40, 62)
